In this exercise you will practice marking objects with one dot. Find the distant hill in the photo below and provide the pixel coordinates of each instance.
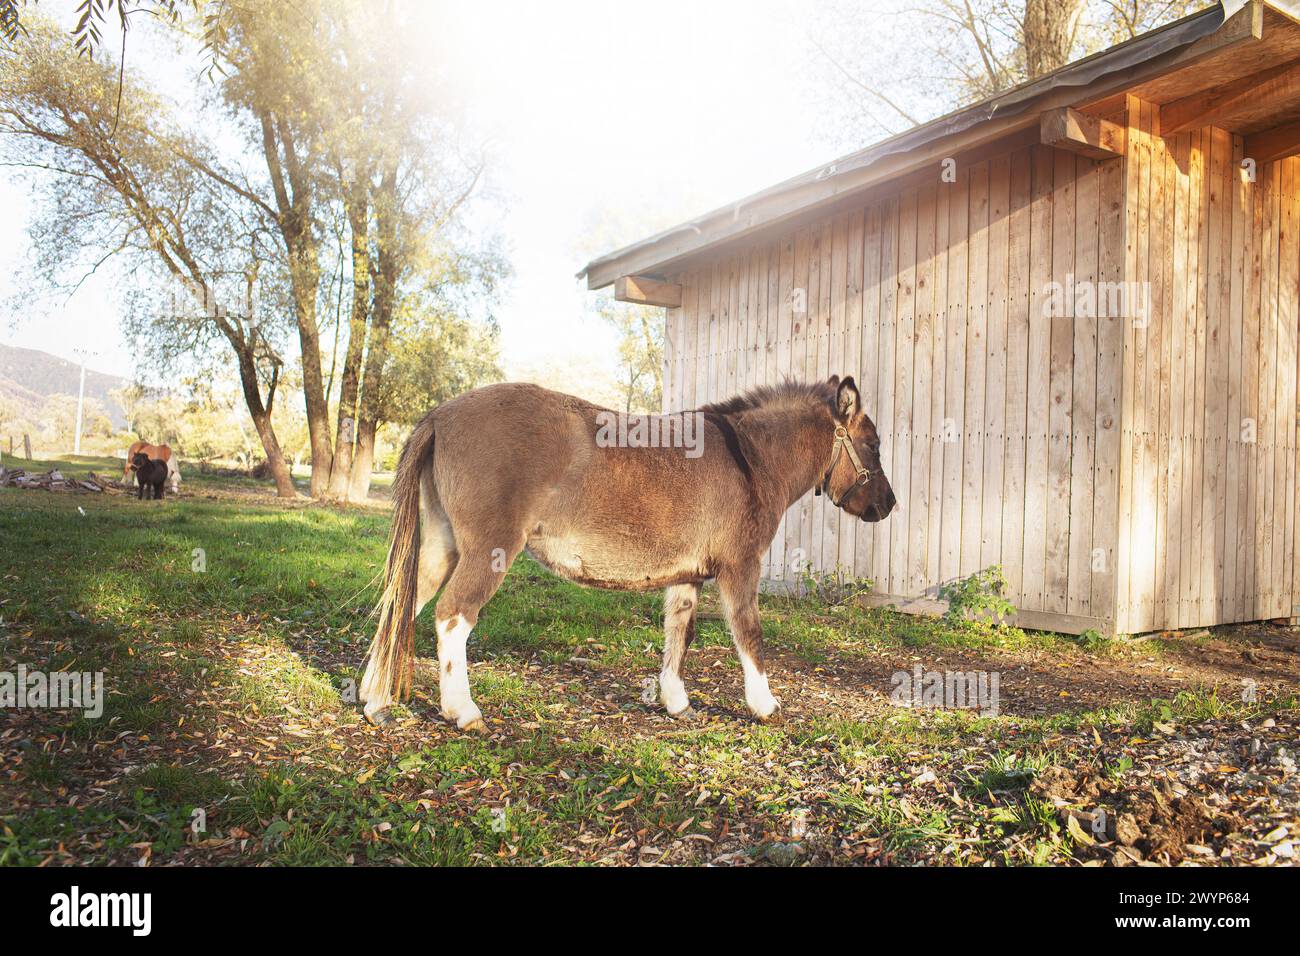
(30, 376)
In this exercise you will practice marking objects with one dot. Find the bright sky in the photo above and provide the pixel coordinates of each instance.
(610, 120)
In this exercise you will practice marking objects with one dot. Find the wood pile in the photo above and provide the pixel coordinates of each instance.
(55, 480)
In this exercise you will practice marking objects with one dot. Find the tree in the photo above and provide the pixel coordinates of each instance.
(344, 115)
(414, 172)
(121, 184)
(92, 16)
(1048, 29)
(271, 58)
(434, 359)
(639, 329)
(921, 61)
(59, 421)
(347, 112)
(640, 332)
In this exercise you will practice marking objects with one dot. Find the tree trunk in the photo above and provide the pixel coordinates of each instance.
(261, 416)
(313, 385)
(657, 364)
(1048, 34)
(293, 199)
(387, 271)
(358, 211)
(368, 418)
(364, 462)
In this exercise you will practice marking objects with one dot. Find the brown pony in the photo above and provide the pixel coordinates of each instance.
(612, 501)
(154, 452)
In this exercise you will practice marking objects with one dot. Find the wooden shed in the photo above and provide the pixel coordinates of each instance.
(1072, 311)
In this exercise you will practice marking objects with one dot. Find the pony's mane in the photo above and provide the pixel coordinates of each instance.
(786, 394)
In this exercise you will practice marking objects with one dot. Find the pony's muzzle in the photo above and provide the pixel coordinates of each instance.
(880, 510)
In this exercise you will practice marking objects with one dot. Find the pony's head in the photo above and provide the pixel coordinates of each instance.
(855, 481)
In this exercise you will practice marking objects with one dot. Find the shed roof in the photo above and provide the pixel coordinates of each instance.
(1233, 65)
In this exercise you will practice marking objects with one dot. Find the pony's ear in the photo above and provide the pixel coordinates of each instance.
(847, 400)
(834, 381)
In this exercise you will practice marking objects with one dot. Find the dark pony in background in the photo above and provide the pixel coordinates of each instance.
(512, 467)
(150, 476)
(153, 453)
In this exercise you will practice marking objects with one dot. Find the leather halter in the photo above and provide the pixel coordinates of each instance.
(844, 443)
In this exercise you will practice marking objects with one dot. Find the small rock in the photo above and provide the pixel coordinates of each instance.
(784, 854)
(1127, 856)
(1127, 830)
(1285, 850)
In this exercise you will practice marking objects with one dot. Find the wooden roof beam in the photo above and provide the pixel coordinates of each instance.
(648, 290)
(1080, 133)
(1217, 106)
(1277, 143)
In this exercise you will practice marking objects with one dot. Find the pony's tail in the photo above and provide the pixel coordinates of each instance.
(392, 652)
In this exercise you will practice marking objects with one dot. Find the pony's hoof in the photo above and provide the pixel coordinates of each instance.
(772, 717)
(471, 721)
(380, 717)
(686, 713)
(475, 725)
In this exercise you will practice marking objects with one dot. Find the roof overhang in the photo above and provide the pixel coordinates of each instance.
(1195, 56)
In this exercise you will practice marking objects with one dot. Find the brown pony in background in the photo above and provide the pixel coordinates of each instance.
(512, 467)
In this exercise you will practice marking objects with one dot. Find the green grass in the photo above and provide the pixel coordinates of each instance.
(230, 632)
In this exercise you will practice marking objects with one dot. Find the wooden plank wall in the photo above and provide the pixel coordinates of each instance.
(1208, 480)
(1000, 425)
(1002, 428)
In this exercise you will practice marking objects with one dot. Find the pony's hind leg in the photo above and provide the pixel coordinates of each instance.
(478, 573)
(680, 602)
(739, 592)
(437, 560)
(437, 548)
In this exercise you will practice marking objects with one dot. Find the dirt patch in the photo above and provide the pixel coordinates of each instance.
(1213, 791)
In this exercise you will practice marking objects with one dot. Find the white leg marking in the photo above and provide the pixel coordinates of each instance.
(453, 674)
(672, 693)
(757, 694)
(374, 697)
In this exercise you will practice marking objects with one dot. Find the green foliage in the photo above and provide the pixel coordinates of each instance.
(435, 355)
(828, 589)
(978, 599)
(640, 331)
(1093, 640)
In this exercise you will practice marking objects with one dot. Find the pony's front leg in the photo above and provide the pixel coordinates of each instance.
(739, 591)
(680, 602)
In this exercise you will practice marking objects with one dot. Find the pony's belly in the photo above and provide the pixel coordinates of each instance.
(602, 565)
